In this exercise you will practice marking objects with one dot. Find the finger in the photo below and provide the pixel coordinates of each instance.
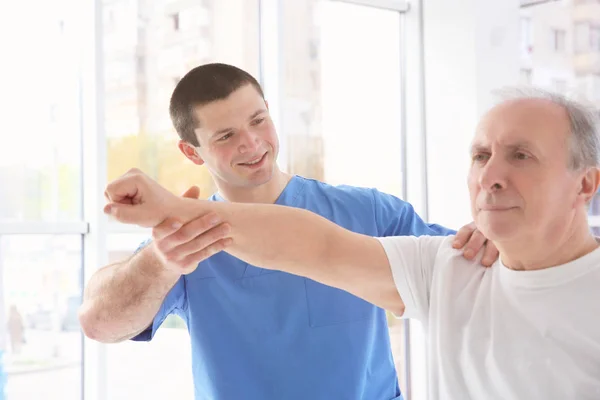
(192, 193)
(165, 228)
(474, 244)
(199, 243)
(463, 235)
(133, 171)
(490, 254)
(124, 189)
(190, 263)
(170, 236)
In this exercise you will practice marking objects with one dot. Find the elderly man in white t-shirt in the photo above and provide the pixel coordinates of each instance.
(526, 328)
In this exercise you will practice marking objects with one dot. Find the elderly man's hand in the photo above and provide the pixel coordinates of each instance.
(135, 198)
(471, 240)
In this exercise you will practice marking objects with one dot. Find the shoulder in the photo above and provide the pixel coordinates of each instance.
(314, 184)
(453, 267)
(434, 247)
(351, 194)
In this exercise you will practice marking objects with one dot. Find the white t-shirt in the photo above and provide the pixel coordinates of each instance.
(496, 333)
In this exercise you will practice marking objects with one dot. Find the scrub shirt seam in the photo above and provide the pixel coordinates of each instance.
(298, 193)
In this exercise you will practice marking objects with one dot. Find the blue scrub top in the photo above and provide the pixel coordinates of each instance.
(259, 334)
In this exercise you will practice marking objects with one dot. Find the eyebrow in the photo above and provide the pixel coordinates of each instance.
(257, 113)
(515, 146)
(226, 130)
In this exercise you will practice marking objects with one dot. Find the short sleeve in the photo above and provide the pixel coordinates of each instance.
(412, 261)
(395, 217)
(173, 303)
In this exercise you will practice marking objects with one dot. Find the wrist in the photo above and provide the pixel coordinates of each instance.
(188, 209)
(153, 267)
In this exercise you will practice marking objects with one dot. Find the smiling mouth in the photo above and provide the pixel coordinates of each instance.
(255, 161)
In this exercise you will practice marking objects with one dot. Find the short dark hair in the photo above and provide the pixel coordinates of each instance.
(202, 85)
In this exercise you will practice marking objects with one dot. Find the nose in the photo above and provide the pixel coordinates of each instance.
(249, 141)
(492, 177)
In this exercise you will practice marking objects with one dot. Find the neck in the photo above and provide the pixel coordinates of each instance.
(266, 193)
(533, 253)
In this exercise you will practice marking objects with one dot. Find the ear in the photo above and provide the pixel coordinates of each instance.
(190, 152)
(589, 185)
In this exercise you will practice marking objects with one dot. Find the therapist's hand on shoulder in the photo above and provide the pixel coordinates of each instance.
(472, 241)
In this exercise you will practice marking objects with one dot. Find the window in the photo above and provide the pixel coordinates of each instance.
(324, 55)
(526, 32)
(595, 38)
(582, 37)
(595, 88)
(526, 76)
(587, 37)
(573, 75)
(175, 21)
(109, 20)
(559, 40)
(595, 206)
(594, 214)
(560, 86)
(40, 292)
(40, 191)
(40, 139)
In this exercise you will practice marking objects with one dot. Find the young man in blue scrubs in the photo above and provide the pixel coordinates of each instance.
(257, 334)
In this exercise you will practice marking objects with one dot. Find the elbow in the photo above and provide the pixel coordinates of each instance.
(394, 304)
(397, 309)
(91, 324)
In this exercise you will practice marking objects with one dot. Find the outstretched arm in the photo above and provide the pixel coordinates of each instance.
(291, 240)
(270, 236)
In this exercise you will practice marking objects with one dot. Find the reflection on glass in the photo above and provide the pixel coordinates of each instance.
(40, 138)
(40, 296)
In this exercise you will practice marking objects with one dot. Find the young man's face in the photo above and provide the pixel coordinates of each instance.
(520, 181)
(238, 142)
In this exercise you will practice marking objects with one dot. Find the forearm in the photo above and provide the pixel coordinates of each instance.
(300, 242)
(305, 244)
(286, 239)
(122, 299)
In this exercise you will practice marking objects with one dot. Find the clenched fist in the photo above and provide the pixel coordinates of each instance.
(135, 198)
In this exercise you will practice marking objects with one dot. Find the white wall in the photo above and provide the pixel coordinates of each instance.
(471, 48)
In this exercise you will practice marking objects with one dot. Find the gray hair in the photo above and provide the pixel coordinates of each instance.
(584, 121)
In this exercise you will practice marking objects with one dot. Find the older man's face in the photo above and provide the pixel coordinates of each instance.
(520, 184)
